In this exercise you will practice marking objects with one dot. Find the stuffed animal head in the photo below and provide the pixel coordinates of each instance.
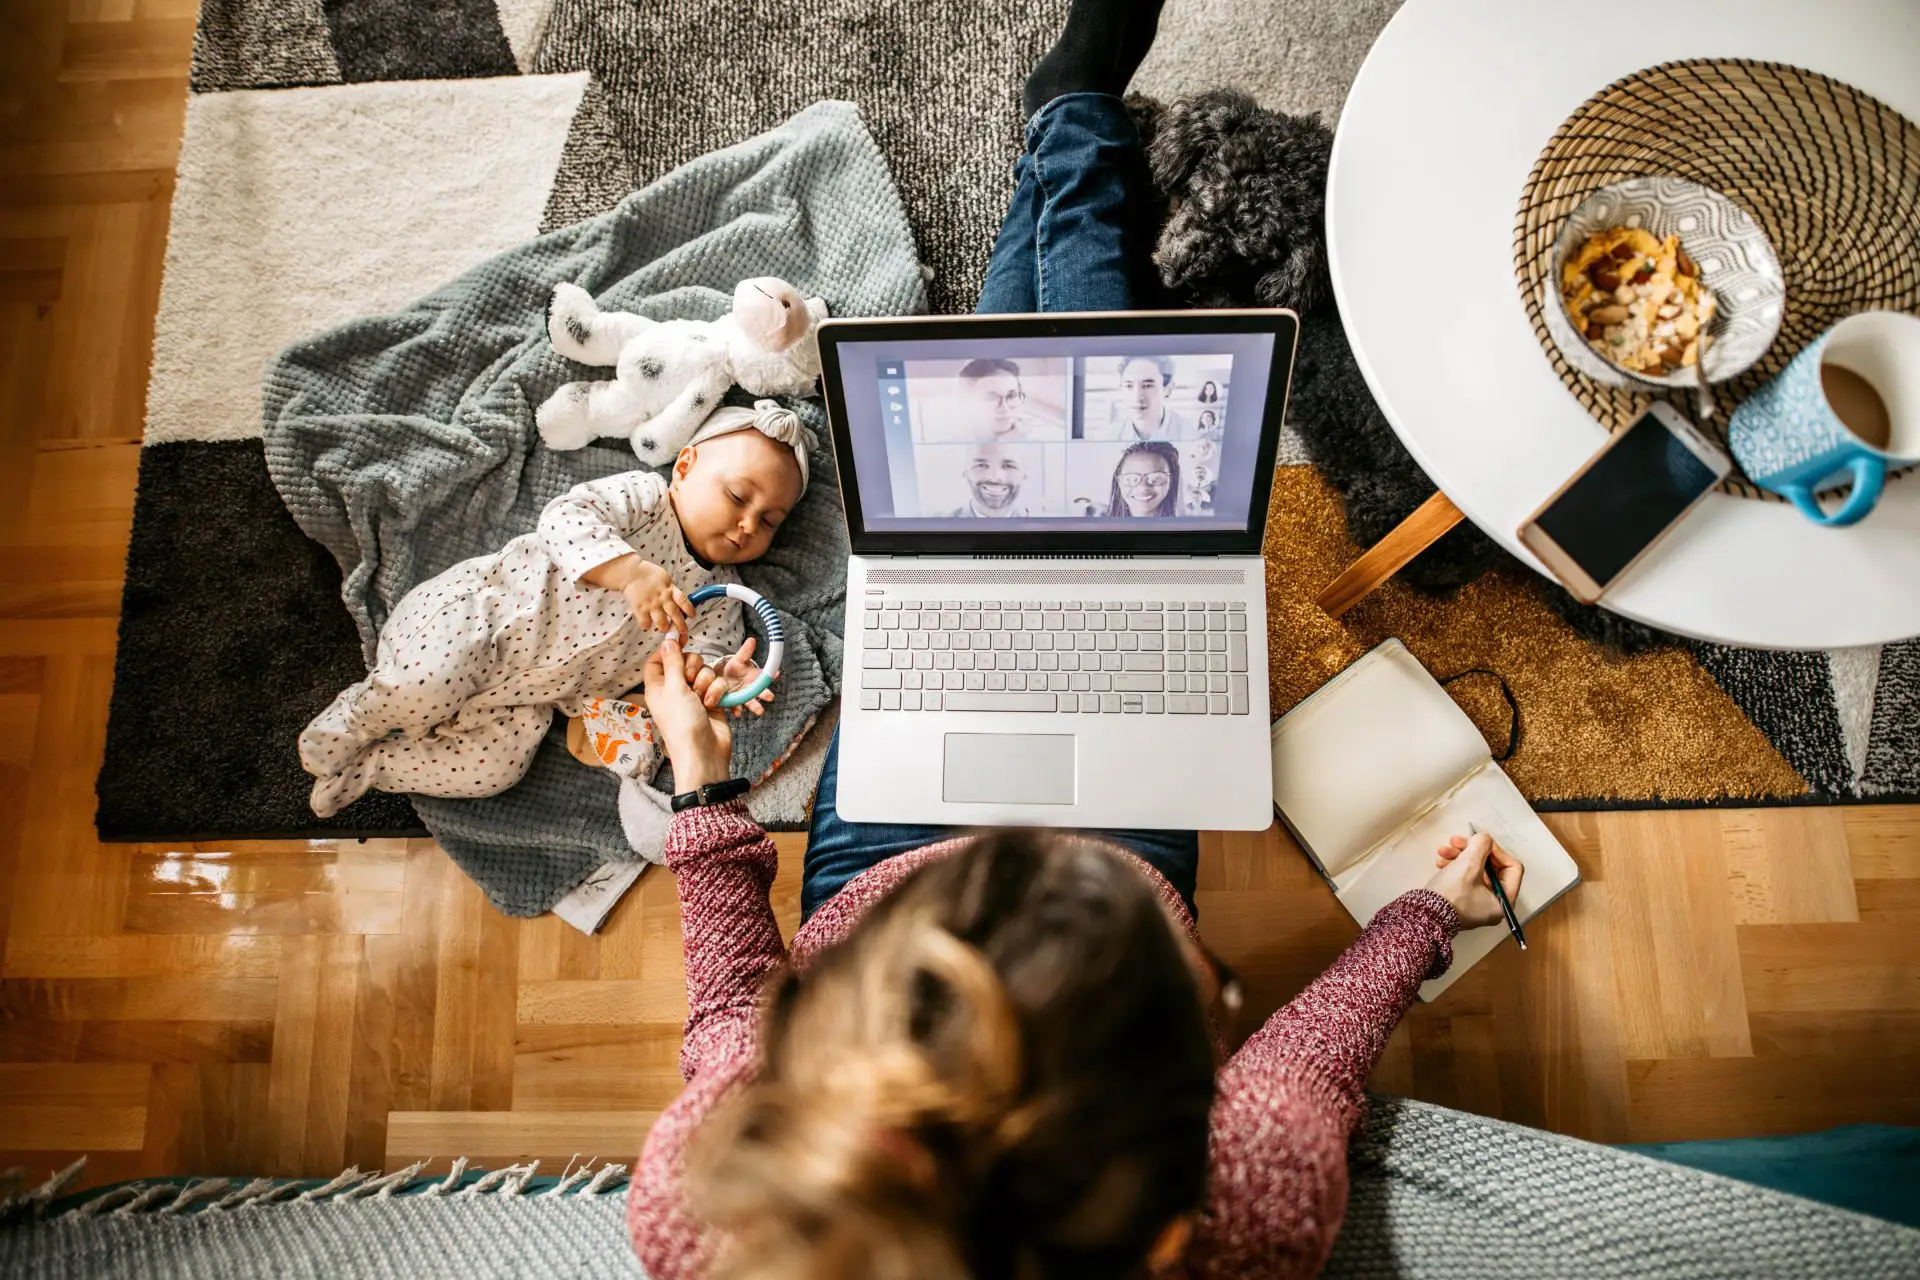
(775, 351)
(771, 313)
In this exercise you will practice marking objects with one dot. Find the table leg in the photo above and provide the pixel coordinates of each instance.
(1388, 556)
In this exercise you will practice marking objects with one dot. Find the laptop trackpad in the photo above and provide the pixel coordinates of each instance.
(1009, 768)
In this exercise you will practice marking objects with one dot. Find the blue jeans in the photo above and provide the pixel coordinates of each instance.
(1070, 243)
(838, 850)
(1072, 240)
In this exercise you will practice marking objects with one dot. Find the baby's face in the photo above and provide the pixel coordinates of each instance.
(731, 494)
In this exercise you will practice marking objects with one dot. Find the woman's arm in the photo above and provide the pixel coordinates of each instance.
(1289, 1098)
(723, 865)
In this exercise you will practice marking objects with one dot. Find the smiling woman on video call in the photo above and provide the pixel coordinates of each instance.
(1147, 481)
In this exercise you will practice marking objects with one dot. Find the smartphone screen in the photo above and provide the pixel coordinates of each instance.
(1645, 482)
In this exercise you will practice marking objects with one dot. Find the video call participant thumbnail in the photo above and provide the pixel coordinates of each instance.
(1146, 482)
(995, 477)
(1144, 383)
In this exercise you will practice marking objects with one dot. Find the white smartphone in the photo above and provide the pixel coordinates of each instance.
(1601, 522)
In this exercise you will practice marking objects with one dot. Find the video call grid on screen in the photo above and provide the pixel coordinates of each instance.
(1057, 433)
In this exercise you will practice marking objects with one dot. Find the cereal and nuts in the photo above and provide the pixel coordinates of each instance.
(1638, 299)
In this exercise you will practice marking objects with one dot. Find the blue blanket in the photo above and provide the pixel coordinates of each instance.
(405, 443)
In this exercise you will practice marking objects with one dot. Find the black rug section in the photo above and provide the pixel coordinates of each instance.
(1893, 753)
(1789, 696)
(231, 618)
(419, 39)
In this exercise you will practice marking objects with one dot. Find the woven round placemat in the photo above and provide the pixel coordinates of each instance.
(1831, 174)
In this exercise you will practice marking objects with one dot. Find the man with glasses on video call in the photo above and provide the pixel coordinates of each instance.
(995, 399)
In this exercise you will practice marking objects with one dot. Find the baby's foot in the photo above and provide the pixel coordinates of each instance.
(616, 735)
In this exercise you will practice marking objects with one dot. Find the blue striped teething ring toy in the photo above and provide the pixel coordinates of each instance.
(775, 635)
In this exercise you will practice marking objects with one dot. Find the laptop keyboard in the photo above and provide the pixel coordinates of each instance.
(1107, 657)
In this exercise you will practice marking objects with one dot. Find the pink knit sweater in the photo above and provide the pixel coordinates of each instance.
(1286, 1101)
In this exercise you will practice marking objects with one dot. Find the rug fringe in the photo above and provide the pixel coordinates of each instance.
(245, 1195)
(220, 1195)
(452, 1179)
(33, 1204)
(194, 1192)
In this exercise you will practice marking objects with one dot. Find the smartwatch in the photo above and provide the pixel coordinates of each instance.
(712, 793)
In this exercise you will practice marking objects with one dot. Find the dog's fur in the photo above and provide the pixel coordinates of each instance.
(1242, 194)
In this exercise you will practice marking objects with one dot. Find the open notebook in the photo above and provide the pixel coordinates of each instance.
(1377, 768)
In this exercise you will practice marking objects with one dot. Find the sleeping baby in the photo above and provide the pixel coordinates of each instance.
(472, 663)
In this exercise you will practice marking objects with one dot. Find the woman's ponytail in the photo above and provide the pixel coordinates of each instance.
(856, 1157)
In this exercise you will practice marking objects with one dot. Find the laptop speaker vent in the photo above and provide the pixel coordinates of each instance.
(1116, 575)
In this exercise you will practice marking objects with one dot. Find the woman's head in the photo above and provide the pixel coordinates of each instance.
(1209, 391)
(1003, 1070)
(1143, 391)
(1146, 481)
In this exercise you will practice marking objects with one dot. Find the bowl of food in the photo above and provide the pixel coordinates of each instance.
(1659, 281)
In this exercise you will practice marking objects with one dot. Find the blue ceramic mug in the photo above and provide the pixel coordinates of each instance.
(1846, 409)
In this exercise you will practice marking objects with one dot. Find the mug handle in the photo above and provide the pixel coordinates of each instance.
(1869, 477)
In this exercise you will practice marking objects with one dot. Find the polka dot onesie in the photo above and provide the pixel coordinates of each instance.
(473, 662)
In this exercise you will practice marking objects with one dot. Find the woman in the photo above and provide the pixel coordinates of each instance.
(996, 1055)
(1209, 392)
(1146, 482)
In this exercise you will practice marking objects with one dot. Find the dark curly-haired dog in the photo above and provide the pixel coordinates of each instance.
(1245, 189)
(1243, 223)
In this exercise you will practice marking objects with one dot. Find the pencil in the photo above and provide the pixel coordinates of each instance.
(1499, 891)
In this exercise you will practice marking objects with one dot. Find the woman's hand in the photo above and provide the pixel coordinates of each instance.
(697, 738)
(1462, 878)
(649, 589)
(737, 672)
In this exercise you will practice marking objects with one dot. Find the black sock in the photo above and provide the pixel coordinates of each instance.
(1102, 45)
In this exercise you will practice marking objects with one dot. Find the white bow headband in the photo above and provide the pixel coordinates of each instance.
(771, 420)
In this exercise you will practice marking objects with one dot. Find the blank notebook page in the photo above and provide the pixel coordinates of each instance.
(1361, 756)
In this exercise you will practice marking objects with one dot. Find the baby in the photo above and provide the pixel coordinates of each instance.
(472, 663)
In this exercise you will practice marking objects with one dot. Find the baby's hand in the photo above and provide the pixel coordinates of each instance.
(656, 602)
(737, 672)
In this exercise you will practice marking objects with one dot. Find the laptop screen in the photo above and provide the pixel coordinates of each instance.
(992, 435)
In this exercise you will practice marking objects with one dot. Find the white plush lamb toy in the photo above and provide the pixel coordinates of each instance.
(670, 374)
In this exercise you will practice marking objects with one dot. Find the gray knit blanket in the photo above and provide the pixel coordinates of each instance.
(1435, 1193)
(405, 443)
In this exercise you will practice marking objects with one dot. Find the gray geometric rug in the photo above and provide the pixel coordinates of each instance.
(509, 117)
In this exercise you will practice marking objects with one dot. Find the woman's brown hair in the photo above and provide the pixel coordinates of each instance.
(1004, 1070)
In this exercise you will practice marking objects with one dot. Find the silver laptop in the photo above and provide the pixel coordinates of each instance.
(1056, 605)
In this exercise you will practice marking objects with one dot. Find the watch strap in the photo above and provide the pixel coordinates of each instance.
(711, 794)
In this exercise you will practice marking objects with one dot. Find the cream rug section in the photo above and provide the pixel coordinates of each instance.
(298, 209)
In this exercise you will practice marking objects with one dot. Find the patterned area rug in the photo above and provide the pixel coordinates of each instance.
(319, 131)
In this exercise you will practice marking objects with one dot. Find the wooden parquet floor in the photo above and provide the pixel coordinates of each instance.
(293, 1008)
